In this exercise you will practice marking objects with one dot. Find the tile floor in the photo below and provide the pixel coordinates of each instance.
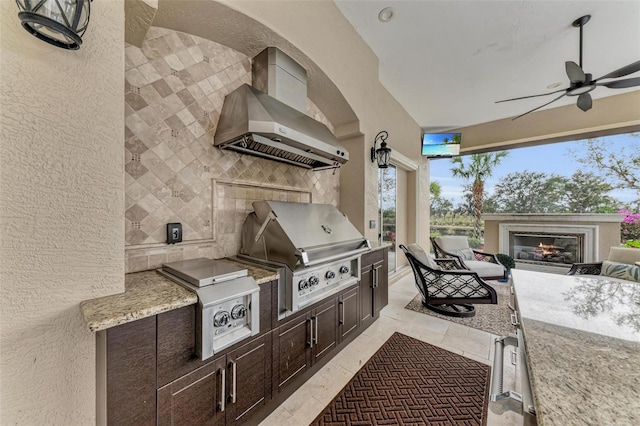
(307, 402)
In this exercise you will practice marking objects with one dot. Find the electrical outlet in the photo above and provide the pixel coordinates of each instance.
(372, 224)
(174, 233)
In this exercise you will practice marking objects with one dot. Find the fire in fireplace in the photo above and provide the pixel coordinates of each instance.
(546, 248)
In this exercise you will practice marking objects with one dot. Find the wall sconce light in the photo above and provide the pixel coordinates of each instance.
(58, 22)
(382, 154)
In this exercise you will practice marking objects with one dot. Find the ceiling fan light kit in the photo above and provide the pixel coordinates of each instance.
(582, 83)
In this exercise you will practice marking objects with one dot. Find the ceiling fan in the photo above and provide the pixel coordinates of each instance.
(582, 83)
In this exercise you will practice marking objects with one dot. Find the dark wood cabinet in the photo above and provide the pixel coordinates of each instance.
(131, 373)
(366, 296)
(249, 383)
(292, 357)
(225, 391)
(195, 399)
(324, 320)
(381, 286)
(304, 341)
(348, 313)
(374, 288)
(154, 376)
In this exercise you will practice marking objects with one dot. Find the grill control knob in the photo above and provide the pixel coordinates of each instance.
(303, 285)
(238, 311)
(344, 269)
(330, 274)
(221, 319)
(313, 280)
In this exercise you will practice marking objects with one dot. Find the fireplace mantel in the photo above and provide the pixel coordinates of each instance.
(554, 217)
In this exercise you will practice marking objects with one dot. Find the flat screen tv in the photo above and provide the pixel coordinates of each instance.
(441, 145)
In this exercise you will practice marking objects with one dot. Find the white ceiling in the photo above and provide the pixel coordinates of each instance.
(447, 62)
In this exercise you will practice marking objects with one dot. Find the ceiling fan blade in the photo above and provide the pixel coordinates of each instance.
(532, 96)
(626, 70)
(515, 118)
(574, 72)
(621, 84)
(584, 102)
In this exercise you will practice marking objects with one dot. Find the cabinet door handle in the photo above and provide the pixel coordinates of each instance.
(223, 389)
(234, 379)
(315, 332)
(310, 342)
(375, 277)
(341, 319)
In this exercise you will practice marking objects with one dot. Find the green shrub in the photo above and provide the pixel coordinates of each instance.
(474, 242)
(632, 243)
(506, 260)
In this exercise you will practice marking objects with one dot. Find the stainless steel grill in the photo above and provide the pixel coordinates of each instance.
(313, 246)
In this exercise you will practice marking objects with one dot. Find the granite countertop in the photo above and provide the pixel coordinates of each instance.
(582, 340)
(378, 246)
(145, 294)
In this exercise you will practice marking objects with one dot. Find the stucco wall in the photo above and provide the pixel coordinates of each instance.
(61, 206)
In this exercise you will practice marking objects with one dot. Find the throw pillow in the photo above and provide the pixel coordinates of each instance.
(466, 254)
(620, 270)
(419, 253)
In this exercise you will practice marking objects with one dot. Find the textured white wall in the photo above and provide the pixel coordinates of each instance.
(61, 207)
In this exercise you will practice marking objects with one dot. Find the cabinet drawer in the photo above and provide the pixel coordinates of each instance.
(372, 257)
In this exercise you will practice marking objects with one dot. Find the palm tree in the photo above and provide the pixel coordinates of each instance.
(478, 170)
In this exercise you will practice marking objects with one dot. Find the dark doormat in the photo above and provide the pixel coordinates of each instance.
(410, 382)
(494, 319)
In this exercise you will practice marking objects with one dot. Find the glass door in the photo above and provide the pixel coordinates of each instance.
(387, 185)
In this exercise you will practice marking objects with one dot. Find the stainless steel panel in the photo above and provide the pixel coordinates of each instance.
(248, 112)
(279, 76)
(309, 226)
(299, 234)
(202, 271)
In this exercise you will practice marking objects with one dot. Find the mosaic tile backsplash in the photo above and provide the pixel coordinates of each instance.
(174, 89)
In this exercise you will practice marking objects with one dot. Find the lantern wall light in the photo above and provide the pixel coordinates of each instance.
(382, 154)
(58, 22)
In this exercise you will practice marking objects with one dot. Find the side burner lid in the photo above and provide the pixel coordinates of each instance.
(202, 271)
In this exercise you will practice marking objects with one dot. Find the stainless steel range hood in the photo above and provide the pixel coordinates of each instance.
(267, 120)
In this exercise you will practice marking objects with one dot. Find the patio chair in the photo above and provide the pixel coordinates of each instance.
(619, 255)
(486, 265)
(450, 292)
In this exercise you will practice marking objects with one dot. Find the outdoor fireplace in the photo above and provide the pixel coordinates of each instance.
(546, 247)
(554, 240)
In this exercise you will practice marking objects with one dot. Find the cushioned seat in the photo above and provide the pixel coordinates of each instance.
(486, 265)
(485, 269)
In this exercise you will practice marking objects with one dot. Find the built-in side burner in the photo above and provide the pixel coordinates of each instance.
(228, 301)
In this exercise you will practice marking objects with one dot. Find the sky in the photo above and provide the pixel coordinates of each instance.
(550, 158)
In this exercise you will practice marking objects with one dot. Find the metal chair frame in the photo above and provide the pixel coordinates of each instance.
(585, 269)
(441, 289)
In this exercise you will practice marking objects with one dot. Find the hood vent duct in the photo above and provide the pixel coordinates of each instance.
(267, 120)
